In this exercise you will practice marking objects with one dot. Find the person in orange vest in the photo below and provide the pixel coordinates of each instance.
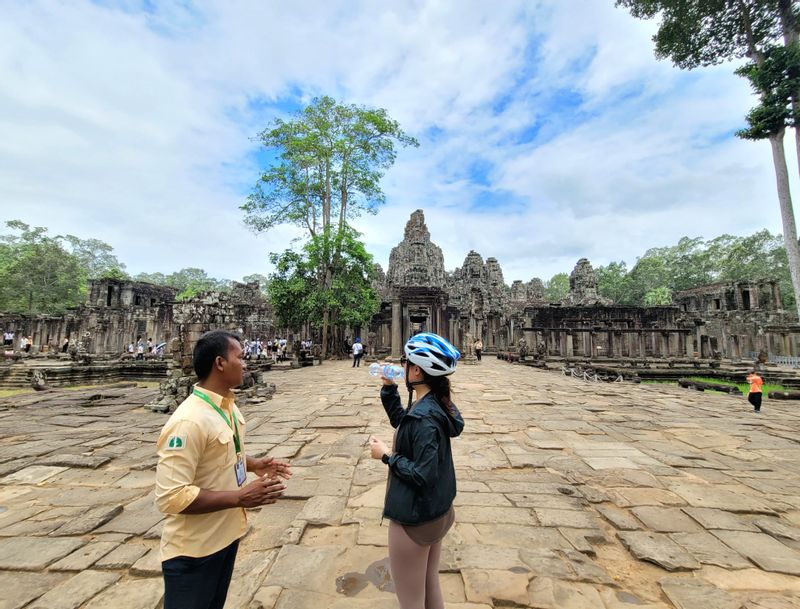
(754, 396)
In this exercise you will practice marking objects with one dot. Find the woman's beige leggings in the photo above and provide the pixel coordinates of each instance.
(415, 570)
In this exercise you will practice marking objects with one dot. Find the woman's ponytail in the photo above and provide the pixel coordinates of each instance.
(440, 387)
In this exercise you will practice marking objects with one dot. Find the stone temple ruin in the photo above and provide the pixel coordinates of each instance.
(736, 321)
(114, 315)
(473, 301)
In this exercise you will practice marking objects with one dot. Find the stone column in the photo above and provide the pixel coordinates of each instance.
(568, 338)
(787, 347)
(397, 330)
(590, 344)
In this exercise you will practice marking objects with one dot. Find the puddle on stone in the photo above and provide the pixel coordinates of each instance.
(3, 509)
(520, 570)
(376, 574)
(628, 598)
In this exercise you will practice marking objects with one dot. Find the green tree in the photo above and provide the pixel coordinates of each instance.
(329, 159)
(297, 295)
(189, 282)
(649, 273)
(37, 274)
(557, 288)
(96, 257)
(611, 280)
(658, 297)
(697, 33)
(154, 278)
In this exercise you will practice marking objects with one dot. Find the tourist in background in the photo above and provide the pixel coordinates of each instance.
(358, 351)
(754, 395)
(422, 478)
(28, 344)
(200, 480)
(65, 345)
(478, 346)
(8, 339)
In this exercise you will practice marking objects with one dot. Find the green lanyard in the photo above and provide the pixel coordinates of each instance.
(235, 425)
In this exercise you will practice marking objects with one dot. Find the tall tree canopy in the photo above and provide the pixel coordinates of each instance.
(189, 282)
(96, 257)
(557, 287)
(695, 33)
(37, 273)
(298, 296)
(694, 262)
(328, 163)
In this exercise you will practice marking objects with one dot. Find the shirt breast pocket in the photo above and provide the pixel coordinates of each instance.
(223, 445)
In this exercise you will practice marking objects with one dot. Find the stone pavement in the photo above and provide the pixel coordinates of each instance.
(571, 496)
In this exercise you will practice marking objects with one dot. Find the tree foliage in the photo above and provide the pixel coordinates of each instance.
(328, 162)
(189, 282)
(298, 296)
(96, 257)
(696, 33)
(557, 287)
(694, 262)
(37, 273)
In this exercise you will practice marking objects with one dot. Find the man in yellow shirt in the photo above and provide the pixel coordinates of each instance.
(200, 480)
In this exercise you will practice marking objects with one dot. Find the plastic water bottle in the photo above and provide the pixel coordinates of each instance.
(390, 371)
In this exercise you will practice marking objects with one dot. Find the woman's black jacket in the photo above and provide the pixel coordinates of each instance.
(422, 479)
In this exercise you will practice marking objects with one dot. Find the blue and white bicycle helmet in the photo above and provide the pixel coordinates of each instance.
(432, 353)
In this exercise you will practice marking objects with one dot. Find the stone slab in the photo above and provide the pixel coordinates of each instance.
(620, 518)
(148, 565)
(35, 553)
(136, 518)
(83, 461)
(711, 518)
(122, 557)
(306, 568)
(691, 594)
(495, 586)
(75, 591)
(323, 509)
(658, 549)
(17, 589)
(713, 496)
(547, 593)
(665, 520)
(763, 550)
(130, 594)
(89, 521)
(84, 557)
(709, 550)
(34, 474)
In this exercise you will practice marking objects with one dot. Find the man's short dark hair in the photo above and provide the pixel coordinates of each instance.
(211, 345)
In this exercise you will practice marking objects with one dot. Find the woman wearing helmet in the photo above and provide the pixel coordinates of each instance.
(422, 479)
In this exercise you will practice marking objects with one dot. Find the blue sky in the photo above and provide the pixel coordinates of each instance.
(548, 130)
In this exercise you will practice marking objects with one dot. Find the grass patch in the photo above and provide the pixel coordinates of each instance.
(10, 393)
(743, 387)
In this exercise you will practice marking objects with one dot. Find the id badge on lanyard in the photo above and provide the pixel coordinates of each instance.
(240, 469)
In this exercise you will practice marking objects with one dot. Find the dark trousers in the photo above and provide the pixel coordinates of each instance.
(357, 359)
(754, 397)
(478, 354)
(199, 583)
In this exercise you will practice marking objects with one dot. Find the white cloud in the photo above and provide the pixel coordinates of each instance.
(135, 126)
